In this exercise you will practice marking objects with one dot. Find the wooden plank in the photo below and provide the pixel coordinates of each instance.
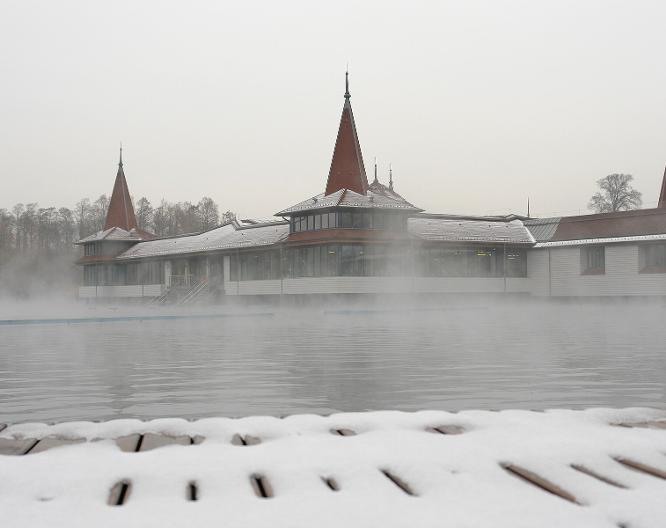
(12, 446)
(153, 441)
(598, 476)
(331, 483)
(643, 468)
(51, 442)
(404, 486)
(343, 432)
(119, 493)
(129, 443)
(246, 440)
(261, 486)
(446, 429)
(539, 482)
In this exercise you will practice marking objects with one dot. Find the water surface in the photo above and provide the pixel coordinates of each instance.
(478, 355)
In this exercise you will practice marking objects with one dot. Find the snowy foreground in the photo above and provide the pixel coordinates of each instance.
(594, 468)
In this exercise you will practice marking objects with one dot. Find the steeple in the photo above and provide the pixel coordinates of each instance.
(662, 196)
(390, 177)
(121, 211)
(347, 169)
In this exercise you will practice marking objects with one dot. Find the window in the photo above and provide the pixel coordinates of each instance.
(317, 222)
(345, 219)
(593, 260)
(324, 221)
(332, 221)
(653, 258)
(90, 249)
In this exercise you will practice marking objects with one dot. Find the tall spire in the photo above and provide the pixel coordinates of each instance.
(375, 181)
(662, 195)
(390, 177)
(347, 170)
(121, 211)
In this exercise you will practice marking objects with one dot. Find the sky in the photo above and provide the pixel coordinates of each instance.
(478, 105)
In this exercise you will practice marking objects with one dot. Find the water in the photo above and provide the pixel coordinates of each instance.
(509, 355)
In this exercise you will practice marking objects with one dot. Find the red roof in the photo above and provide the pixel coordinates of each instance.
(662, 196)
(121, 211)
(347, 169)
(610, 225)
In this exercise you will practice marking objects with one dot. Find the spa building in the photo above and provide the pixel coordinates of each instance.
(362, 237)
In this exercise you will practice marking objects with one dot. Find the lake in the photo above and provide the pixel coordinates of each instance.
(452, 355)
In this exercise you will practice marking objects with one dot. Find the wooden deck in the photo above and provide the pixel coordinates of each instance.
(477, 468)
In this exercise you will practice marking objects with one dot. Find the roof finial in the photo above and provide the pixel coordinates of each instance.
(528, 207)
(121, 154)
(390, 177)
(375, 170)
(347, 94)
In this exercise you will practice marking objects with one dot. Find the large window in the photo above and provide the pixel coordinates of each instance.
(470, 261)
(593, 260)
(348, 219)
(255, 265)
(653, 258)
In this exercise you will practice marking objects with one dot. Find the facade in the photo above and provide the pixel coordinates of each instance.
(361, 237)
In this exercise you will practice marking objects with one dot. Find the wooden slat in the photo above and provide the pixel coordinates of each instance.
(261, 486)
(49, 443)
(446, 429)
(404, 486)
(343, 431)
(331, 483)
(11, 446)
(129, 443)
(539, 482)
(119, 493)
(598, 476)
(153, 441)
(643, 468)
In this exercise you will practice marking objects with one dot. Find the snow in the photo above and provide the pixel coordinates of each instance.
(469, 230)
(456, 479)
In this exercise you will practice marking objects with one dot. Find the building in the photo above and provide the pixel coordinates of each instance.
(361, 237)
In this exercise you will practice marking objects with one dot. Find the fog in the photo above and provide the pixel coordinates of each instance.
(478, 104)
(391, 353)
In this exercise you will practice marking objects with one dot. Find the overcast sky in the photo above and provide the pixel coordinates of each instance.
(477, 104)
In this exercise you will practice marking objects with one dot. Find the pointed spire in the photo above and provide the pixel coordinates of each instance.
(376, 180)
(347, 170)
(390, 177)
(120, 212)
(662, 195)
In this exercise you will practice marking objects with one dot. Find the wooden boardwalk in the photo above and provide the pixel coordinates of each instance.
(477, 468)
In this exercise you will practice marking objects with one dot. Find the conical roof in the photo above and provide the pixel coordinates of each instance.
(347, 169)
(121, 211)
(662, 195)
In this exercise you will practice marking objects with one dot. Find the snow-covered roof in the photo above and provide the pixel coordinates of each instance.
(373, 199)
(608, 240)
(443, 228)
(228, 236)
(113, 233)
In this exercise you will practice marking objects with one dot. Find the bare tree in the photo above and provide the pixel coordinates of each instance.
(616, 194)
(144, 214)
(209, 215)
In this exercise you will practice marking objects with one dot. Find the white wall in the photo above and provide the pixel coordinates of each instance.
(622, 277)
(335, 285)
(141, 290)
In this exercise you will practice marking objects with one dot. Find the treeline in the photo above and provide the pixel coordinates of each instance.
(37, 251)
(30, 228)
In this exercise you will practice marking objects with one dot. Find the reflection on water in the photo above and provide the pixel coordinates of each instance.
(502, 356)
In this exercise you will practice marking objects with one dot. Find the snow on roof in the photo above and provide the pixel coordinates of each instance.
(346, 198)
(228, 236)
(113, 233)
(542, 229)
(450, 229)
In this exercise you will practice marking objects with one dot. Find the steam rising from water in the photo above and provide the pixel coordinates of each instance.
(453, 353)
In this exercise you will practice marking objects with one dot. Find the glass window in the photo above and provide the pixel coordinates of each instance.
(593, 260)
(378, 220)
(653, 258)
(357, 219)
(345, 218)
(332, 220)
(317, 222)
(366, 222)
(324, 221)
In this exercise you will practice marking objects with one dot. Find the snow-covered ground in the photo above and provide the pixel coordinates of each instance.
(429, 468)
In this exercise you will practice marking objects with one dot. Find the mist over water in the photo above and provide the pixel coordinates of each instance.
(451, 355)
